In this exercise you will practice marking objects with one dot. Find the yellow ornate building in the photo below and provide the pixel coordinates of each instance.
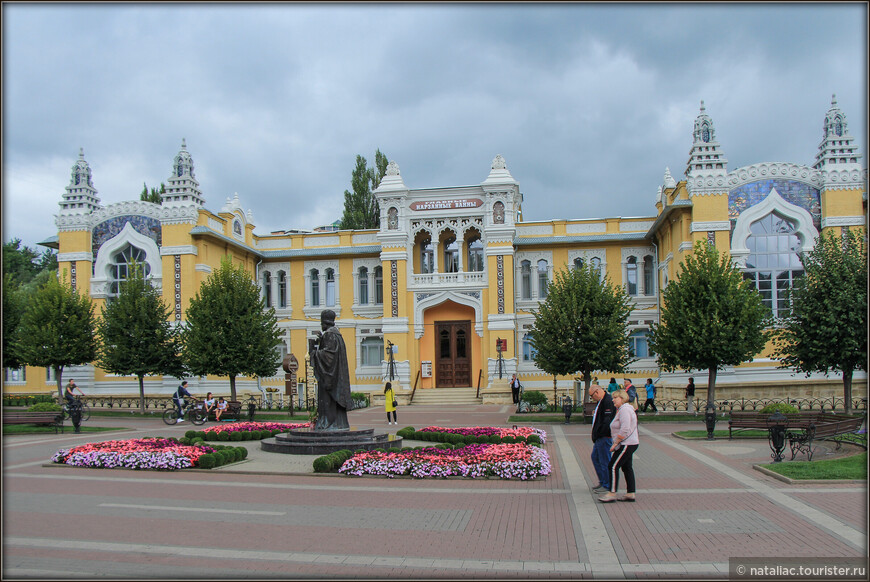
(453, 270)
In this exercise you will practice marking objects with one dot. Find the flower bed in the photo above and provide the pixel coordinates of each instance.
(506, 461)
(250, 426)
(145, 453)
(523, 432)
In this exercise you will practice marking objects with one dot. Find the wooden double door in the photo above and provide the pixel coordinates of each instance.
(452, 354)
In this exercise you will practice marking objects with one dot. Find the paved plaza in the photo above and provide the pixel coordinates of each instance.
(700, 503)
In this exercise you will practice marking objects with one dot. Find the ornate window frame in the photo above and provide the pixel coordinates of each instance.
(313, 311)
(371, 309)
(127, 236)
(533, 257)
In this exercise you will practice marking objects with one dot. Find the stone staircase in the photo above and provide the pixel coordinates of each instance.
(446, 397)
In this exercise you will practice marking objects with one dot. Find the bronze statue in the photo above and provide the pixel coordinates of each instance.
(329, 358)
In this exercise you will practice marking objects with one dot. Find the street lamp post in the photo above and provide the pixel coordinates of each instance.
(567, 408)
(710, 419)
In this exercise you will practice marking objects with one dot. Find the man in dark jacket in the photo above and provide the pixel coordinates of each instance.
(601, 441)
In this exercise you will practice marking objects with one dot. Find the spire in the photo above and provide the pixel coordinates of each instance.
(707, 166)
(182, 189)
(499, 172)
(392, 180)
(838, 153)
(81, 196)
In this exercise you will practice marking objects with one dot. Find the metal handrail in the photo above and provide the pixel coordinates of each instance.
(479, 378)
(414, 389)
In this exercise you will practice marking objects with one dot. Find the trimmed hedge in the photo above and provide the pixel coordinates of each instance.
(779, 407)
(332, 462)
(45, 407)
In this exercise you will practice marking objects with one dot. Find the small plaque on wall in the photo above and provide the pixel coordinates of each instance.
(427, 368)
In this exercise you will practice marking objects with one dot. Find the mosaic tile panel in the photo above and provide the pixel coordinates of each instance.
(107, 229)
(797, 193)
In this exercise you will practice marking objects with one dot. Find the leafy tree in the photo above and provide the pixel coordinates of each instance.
(20, 262)
(361, 208)
(136, 336)
(229, 330)
(827, 328)
(582, 325)
(155, 195)
(57, 329)
(710, 317)
(13, 307)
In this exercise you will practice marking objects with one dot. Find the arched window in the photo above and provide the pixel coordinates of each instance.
(529, 352)
(363, 286)
(267, 288)
(595, 263)
(773, 264)
(371, 351)
(578, 263)
(330, 288)
(315, 287)
(379, 285)
(282, 289)
(648, 280)
(392, 219)
(498, 213)
(631, 275)
(638, 344)
(427, 257)
(526, 279)
(451, 255)
(543, 280)
(475, 254)
(120, 267)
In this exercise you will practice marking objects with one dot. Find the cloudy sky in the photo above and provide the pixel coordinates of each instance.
(588, 103)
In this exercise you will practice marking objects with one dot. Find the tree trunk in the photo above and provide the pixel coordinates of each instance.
(711, 387)
(142, 395)
(58, 375)
(233, 388)
(587, 383)
(847, 390)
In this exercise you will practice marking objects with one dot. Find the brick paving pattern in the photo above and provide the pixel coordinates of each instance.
(699, 504)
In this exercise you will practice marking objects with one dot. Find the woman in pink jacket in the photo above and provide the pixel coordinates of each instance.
(623, 430)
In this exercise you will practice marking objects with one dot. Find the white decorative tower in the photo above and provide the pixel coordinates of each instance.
(707, 167)
(81, 196)
(182, 189)
(838, 155)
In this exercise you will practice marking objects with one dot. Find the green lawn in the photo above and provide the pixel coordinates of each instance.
(854, 467)
(32, 429)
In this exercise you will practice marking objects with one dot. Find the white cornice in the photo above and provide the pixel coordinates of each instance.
(69, 257)
(394, 255)
(826, 222)
(708, 226)
(774, 170)
(179, 250)
(845, 179)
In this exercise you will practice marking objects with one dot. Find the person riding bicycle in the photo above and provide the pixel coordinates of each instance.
(68, 392)
(178, 398)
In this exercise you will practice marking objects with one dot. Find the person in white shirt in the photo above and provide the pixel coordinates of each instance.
(623, 431)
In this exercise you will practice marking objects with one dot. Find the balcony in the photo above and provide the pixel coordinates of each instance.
(461, 279)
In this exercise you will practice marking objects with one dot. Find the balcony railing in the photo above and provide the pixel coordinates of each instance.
(462, 278)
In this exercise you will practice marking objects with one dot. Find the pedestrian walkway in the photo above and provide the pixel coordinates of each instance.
(700, 503)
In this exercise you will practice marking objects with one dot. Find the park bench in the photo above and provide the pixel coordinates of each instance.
(759, 420)
(826, 427)
(233, 413)
(588, 411)
(50, 418)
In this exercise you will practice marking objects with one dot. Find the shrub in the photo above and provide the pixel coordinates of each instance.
(406, 433)
(236, 436)
(243, 452)
(207, 461)
(534, 397)
(45, 407)
(533, 439)
(191, 434)
(779, 407)
(200, 434)
(225, 456)
(223, 436)
(322, 464)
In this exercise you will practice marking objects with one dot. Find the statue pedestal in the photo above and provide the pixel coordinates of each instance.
(498, 392)
(306, 441)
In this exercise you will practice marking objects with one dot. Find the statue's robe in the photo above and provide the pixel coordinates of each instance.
(333, 381)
